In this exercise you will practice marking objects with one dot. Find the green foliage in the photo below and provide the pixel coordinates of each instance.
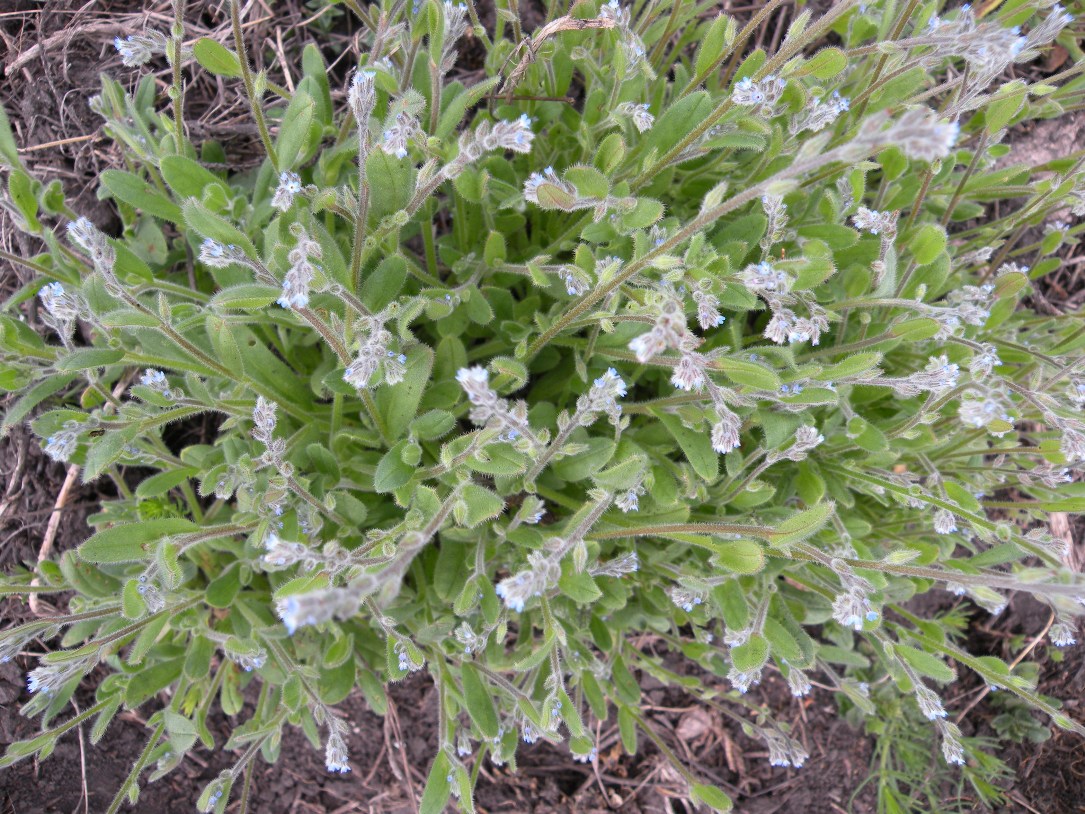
(464, 424)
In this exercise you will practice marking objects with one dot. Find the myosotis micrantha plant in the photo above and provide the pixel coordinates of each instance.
(643, 330)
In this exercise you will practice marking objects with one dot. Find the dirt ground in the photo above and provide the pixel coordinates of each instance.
(50, 55)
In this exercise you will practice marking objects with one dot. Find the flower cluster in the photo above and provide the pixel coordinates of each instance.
(639, 114)
(668, 331)
(398, 134)
(576, 280)
(50, 677)
(335, 751)
(783, 749)
(631, 45)
(455, 27)
(984, 361)
(852, 607)
(877, 223)
(216, 255)
(929, 702)
(708, 306)
(776, 216)
(299, 277)
(686, 598)
(362, 97)
(373, 355)
(515, 135)
(617, 567)
(602, 398)
(103, 256)
(819, 114)
(289, 187)
(61, 309)
(552, 186)
(139, 49)
(488, 409)
(315, 607)
(937, 377)
(61, 444)
(540, 576)
(762, 95)
(985, 408)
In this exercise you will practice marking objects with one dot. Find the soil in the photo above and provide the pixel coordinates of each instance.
(52, 54)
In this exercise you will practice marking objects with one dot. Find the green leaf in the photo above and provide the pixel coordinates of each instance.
(498, 459)
(916, 330)
(493, 254)
(578, 467)
(294, 130)
(625, 685)
(324, 462)
(391, 181)
(392, 472)
(215, 58)
(801, 525)
(8, 149)
(336, 683)
(570, 714)
(924, 663)
(697, 446)
(751, 654)
(438, 788)
(222, 590)
(480, 704)
(479, 504)
(32, 398)
(227, 350)
(21, 192)
(203, 221)
(245, 297)
(646, 212)
(589, 182)
(749, 373)
(621, 476)
(714, 47)
(160, 484)
(198, 658)
(432, 425)
(104, 451)
(457, 107)
(397, 404)
(536, 657)
(579, 587)
(677, 121)
(999, 111)
(185, 176)
(338, 650)
(151, 680)
(627, 730)
(783, 643)
(132, 604)
(131, 542)
(711, 796)
(89, 358)
(610, 153)
(383, 284)
(740, 556)
(133, 190)
(825, 64)
(927, 243)
(899, 88)
(852, 366)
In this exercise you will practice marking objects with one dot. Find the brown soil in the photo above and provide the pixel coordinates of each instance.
(52, 54)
